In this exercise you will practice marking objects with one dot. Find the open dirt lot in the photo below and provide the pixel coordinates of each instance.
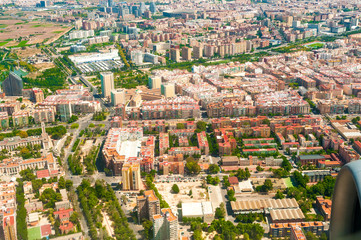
(27, 52)
(198, 193)
(30, 32)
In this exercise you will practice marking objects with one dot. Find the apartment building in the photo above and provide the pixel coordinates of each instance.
(131, 179)
(165, 225)
(148, 205)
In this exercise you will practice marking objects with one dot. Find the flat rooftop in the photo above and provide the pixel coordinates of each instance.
(130, 148)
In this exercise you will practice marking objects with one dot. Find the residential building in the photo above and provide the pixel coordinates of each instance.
(279, 230)
(131, 176)
(14, 165)
(297, 233)
(186, 53)
(172, 108)
(324, 206)
(198, 52)
(13, 85)
(168, 90)
(175, 54)
(4, 120)
(154, 82)
(117, 96)
(148, 205)
(165, 225)
(203, 142)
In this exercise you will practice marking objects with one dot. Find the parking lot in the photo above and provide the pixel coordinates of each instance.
(99, 66)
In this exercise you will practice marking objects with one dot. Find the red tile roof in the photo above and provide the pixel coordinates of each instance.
(42, 174)
(233, 180)
(45, 230)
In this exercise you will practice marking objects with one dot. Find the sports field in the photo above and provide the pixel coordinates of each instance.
(34, 233)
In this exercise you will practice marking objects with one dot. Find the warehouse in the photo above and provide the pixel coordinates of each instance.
(286, 215)
(247, 206)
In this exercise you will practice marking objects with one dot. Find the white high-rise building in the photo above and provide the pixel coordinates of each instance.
(154, 82)
(107, 83)
(117, 96)
(137, 57)
(168, 90)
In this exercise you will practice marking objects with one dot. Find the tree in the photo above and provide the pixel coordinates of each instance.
(202, 126)
(68, 184)
(61, 183)
(27, 175)
(220, 211)
(226, 182)
(230, 194)
(355, 120)
(212, 180)
(266, 121)
(279, 195)
(300, 180)
(180, 126)
(22, 230)
(246, 236)
(323, 236)
(286, 165)
(259, 168)
(213, 168)
(192, 166)
(73, 118)
(310, 236)
(175, 188)
(148, 229)
(280, 173)
(49, 197)
(268, 184)
(74, 218)
(23, 134)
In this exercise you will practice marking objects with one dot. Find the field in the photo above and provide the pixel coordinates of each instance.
(198, 193)
(288, 182)
(34, 233)
(315, 45)
(3, 43)
(30, 32)
(27, 52)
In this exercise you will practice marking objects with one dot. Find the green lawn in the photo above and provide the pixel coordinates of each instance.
(57, 31)
(3, 43)
(3, 25)
(288, 182)
(315, 45)
(34, 233)
(22, 43)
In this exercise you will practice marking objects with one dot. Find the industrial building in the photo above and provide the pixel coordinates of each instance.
(248, 206)
(202, 210)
